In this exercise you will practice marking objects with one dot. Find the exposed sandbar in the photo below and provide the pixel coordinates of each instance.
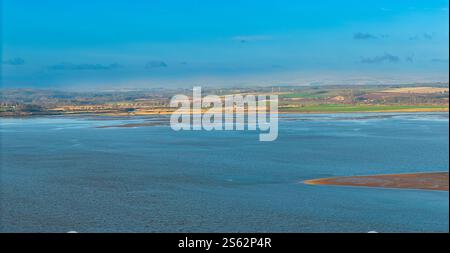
(136, 125)
(425, 181)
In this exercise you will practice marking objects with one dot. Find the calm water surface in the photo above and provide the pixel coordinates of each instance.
(60, 174)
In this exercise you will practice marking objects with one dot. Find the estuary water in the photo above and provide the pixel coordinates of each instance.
(84, 173)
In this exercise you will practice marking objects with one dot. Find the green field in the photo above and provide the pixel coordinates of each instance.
(359, 108)
(305, 95)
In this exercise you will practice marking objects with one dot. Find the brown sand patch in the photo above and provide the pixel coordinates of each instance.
(425, 181)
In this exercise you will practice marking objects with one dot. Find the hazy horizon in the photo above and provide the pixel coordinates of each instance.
(117, 44)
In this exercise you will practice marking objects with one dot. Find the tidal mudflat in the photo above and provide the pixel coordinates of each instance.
(426, 181)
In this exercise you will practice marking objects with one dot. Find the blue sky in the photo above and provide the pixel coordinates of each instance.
(172, 43)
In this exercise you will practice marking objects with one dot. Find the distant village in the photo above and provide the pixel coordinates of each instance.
(28, 102)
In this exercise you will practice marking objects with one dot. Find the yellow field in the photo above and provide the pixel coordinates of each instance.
(417, 90)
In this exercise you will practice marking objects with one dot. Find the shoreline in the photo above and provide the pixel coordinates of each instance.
(436, 181)
(144, 113)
